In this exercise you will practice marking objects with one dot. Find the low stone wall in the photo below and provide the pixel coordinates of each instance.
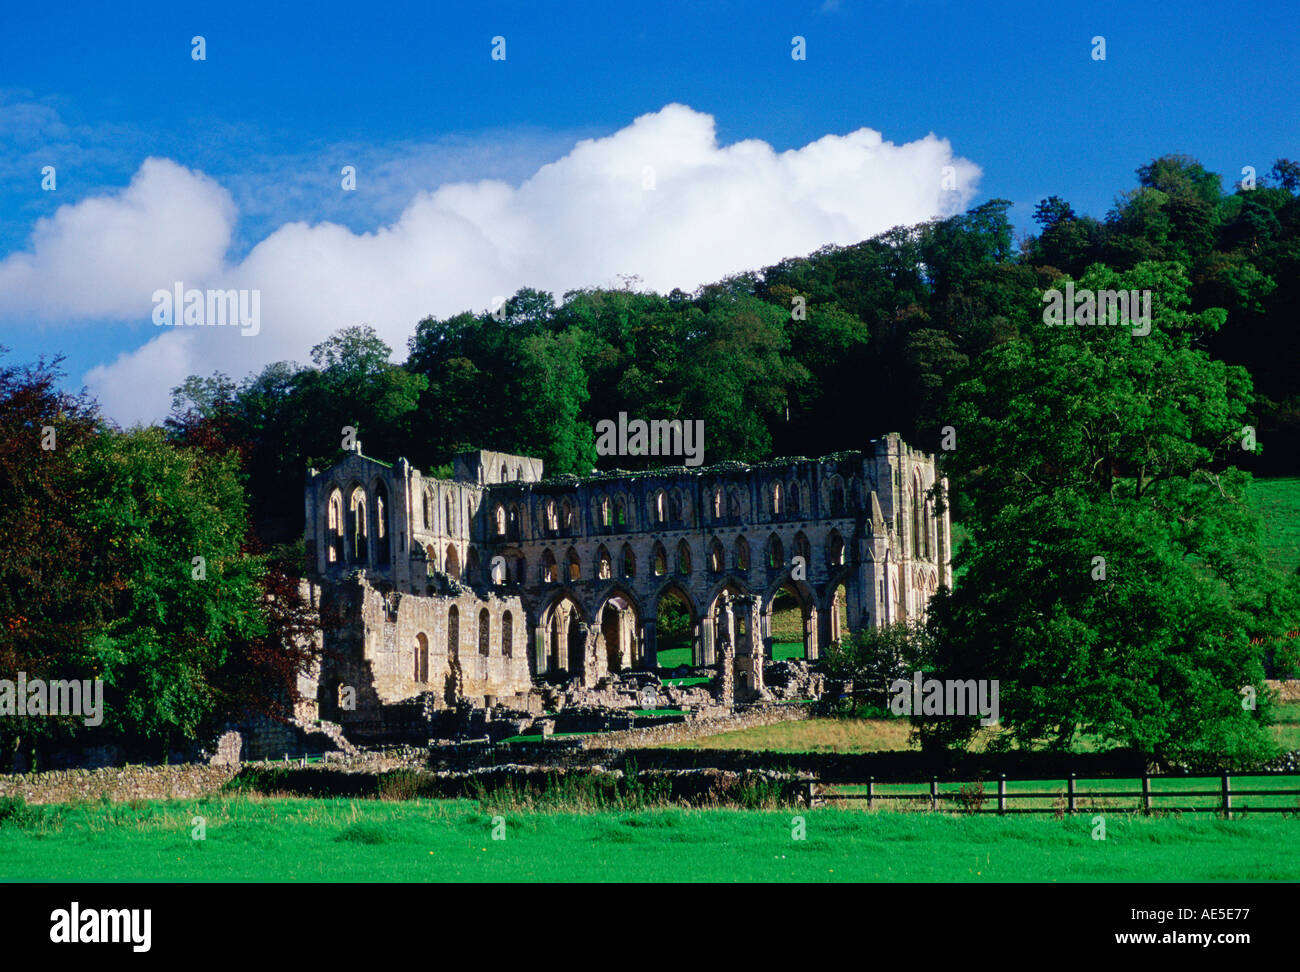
(118, 783)
(1287, 690)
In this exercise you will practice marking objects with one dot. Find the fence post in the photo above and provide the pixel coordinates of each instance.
(934, 793)
(1227, 796)
(871, 791)
(1146, 793)
(1002, 793)
(1069, 786)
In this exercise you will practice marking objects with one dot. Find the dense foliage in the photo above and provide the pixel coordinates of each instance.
(129, 559)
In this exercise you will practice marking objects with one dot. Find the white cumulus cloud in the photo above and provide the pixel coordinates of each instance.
(104, 256)
(659, 199)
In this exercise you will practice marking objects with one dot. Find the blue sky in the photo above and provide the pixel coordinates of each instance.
(413, 99)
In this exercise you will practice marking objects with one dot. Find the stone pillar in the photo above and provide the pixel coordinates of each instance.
(593, 667)
(945, 540)
(756, 651)
(707, 649)
(539, 649)
(650, 645)
(562, 642)
(812, 643)
(727, 677)
(626, 641)
(728, 633)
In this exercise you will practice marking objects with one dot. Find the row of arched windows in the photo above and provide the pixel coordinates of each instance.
(505, 640)
(350, 528)
(552, 571)
(451, 508)
(665, 508)
(358, 529)
(923, 522)
(353, 520)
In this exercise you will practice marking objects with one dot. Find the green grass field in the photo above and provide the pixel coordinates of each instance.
(272, 839)
(781, 650)
(829, 735)
(816, 735)
(1278, 501)
(672, 657)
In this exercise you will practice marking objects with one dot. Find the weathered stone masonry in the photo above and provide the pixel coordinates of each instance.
(466, 589)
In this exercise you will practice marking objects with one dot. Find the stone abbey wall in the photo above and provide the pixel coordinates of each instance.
(432, 574)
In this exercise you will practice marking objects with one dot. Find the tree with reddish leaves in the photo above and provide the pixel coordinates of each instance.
(49, 592)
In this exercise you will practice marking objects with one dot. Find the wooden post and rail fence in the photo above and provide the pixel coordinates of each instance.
(972, 797)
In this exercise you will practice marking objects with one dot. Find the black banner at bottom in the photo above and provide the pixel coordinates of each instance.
(316, 921)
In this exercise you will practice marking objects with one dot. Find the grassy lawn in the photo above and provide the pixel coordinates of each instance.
(672, 657)
(811, 736)
(826, 735)
(781, 650)
(1278, 501)
(272, 839)
(1287, 729)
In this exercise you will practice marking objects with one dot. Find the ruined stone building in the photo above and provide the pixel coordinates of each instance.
(467, 588)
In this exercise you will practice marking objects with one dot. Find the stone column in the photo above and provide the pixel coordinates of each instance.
(727, 677)
(824, 623)
(649, 645)
(539, 649)
(707, 652)
(749, 649)
(728, 633)
(626, 641)
(592, 669)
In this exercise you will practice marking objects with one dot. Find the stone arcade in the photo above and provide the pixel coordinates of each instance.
(462, 591)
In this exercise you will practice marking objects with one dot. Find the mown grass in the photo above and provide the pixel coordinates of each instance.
(846, 735)
(670, 658)
(1287, 728)
(273, 839)
(781, 650)
(815, 735)
(1278, 502)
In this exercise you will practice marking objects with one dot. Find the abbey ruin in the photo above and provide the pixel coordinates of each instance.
(469, 591)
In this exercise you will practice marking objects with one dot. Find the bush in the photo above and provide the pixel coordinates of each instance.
(362, 833)
(14, 812)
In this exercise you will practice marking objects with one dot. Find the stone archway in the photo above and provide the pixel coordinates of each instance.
(620, 645)
(563, 627)
(676, 628)
(790, 620)
(838, 603)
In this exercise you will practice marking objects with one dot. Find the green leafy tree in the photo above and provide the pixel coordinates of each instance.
(167, 526)
(1086, 442)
